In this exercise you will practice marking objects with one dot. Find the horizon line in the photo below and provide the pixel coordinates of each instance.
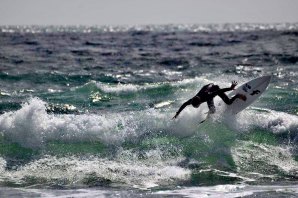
(145, 24)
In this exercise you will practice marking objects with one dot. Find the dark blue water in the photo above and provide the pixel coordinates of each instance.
(90, 108)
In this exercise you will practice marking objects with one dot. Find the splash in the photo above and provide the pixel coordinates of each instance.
(264, 159)
(274, 121)
(97, 171)
(31, 126)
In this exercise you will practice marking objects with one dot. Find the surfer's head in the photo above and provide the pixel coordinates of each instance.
(196, 101)
(214, 88)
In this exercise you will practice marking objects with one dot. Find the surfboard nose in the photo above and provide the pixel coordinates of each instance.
(267, 78)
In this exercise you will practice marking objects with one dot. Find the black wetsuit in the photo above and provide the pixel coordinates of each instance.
(207, 93)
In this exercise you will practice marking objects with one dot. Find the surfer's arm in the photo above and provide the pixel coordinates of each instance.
(182, 107)
(221, 91)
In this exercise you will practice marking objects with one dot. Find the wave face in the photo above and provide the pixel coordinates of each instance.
(82, 109)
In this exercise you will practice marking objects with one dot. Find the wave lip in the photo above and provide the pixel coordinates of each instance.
(31, 126)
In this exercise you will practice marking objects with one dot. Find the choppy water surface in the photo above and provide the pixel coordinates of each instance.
(86, 111)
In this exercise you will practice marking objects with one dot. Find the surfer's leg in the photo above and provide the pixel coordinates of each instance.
(226, 99)
(211, 106)
(229, 101)
(215, 90)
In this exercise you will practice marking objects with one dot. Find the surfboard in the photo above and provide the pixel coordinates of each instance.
(252, 90)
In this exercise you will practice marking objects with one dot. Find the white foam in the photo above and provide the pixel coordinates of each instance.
(2, 166)
(73, 171)
(218, 191)
(31, 126)
(247, 154)
(117, 88)
(228, 191)
(276, 122)
(24, 124)
(163, 104)
(75, 193)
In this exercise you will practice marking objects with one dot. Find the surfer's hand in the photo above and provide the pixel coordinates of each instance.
(175, 116)
(234, 84)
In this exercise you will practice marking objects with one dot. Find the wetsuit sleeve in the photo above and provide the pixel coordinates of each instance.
(183, 106)
(221, 91)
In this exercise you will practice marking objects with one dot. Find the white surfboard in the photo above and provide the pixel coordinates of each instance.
(252, 90)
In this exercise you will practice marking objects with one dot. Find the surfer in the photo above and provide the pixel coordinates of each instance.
(207, 93)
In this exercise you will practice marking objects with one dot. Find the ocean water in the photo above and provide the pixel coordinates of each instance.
(86, 111)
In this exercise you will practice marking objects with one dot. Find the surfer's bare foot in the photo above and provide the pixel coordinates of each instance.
(242, 97)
